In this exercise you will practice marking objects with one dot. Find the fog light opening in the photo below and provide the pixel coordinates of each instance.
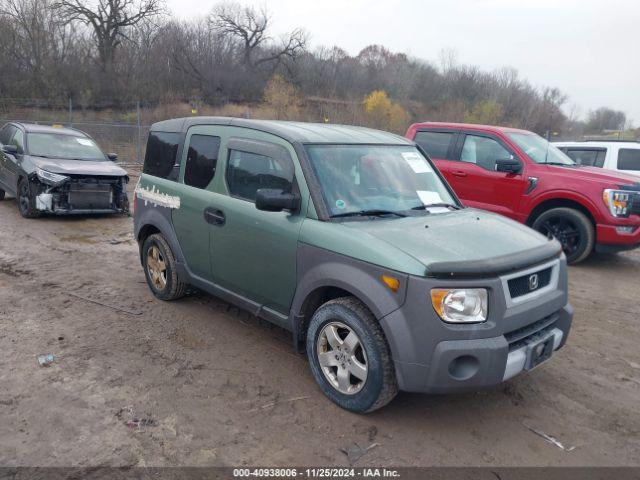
(464, 367)
(625, 230)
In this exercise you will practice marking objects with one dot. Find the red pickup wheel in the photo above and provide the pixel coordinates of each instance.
(571, 228)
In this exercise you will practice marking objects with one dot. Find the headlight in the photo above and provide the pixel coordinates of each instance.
(460, 305)
(618, 202)
(53, 179)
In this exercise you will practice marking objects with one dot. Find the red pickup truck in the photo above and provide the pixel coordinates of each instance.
(520, 175)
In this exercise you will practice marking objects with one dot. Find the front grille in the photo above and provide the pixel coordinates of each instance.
(523, 285)
(517, 338)
(635, 205)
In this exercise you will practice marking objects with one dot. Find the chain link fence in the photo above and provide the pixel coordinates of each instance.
(123, 131)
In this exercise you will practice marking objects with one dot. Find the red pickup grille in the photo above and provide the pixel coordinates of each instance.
(635, 205)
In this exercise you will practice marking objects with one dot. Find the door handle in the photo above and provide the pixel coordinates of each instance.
(459, 173)
(214, 216)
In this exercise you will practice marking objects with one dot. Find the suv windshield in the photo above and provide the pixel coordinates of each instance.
(539, 150)
(68, 147)
(376, 178)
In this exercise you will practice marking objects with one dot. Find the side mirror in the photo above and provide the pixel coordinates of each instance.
(275, 200)
(508, 165)
(10, 149)
(112, 156)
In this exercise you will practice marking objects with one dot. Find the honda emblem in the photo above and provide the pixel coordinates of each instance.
(533, 282)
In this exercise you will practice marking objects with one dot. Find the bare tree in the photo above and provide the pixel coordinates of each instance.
(249, 27)
(38, 42)
(603, 119)
(109, 20)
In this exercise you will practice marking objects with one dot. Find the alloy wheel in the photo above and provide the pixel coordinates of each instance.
(563, 230)
(342, 358)
(157, 268)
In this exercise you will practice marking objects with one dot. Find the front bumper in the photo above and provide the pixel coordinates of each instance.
(83, 195)
(610, 239)
(434, 357)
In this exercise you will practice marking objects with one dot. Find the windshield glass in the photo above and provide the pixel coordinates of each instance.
(68, 147)
(358, 178)
(539, 150)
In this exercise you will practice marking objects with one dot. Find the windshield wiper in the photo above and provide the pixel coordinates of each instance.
(560, 164)
(435, 205)
(366, 213)
(40, 156)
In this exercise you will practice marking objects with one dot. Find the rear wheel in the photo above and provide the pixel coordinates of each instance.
(27, 200)
(160, 269)
(571, 228)
(349, 356)
(2, 194)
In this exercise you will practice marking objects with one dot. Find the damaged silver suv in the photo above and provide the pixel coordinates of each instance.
(59, 171)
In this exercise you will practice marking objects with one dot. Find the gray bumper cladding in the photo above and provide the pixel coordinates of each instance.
(520, 358)
(522, 331)
(464, 365)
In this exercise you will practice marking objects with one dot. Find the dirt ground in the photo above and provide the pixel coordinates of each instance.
(210, 385)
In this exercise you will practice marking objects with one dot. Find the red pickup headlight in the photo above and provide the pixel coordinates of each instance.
(618, 202)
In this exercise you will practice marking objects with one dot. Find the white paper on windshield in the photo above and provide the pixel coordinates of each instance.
(417, 163)
(429, 198)
(85, 141)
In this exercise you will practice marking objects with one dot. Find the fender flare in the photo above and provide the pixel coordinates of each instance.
(362, 284)
(160, 219)
(578, 198)
(320, 269)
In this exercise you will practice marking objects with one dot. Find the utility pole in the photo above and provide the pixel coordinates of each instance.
(139, 149)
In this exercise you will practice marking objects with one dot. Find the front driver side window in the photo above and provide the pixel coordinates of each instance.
(18, 140)
(483, 151)
(248, 172)
(6, 133)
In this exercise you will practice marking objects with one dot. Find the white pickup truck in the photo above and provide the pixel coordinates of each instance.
(612, 155)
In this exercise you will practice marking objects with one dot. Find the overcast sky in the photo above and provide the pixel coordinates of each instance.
(590, 49)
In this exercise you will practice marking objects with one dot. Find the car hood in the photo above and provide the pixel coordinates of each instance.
(79, 167)
(469, 241)
(608, 178)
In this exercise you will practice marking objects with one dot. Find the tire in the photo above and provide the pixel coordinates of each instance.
(571, 228)
(379, 386)
(27, 200)
(2, 194)
(160, 269)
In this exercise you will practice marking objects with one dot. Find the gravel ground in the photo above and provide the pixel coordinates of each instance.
(210, 385)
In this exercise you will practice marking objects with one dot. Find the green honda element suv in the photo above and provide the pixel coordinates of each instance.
(352, 240)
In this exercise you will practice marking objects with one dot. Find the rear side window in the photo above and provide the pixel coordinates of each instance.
(248, 172)
(629, 159)
(588, 158)
(436, 144)
(161, 158)
(202, 158)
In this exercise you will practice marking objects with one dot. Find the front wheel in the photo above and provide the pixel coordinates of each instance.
(2, 194)
(349, 356)
(571, 228)
(27, 200)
